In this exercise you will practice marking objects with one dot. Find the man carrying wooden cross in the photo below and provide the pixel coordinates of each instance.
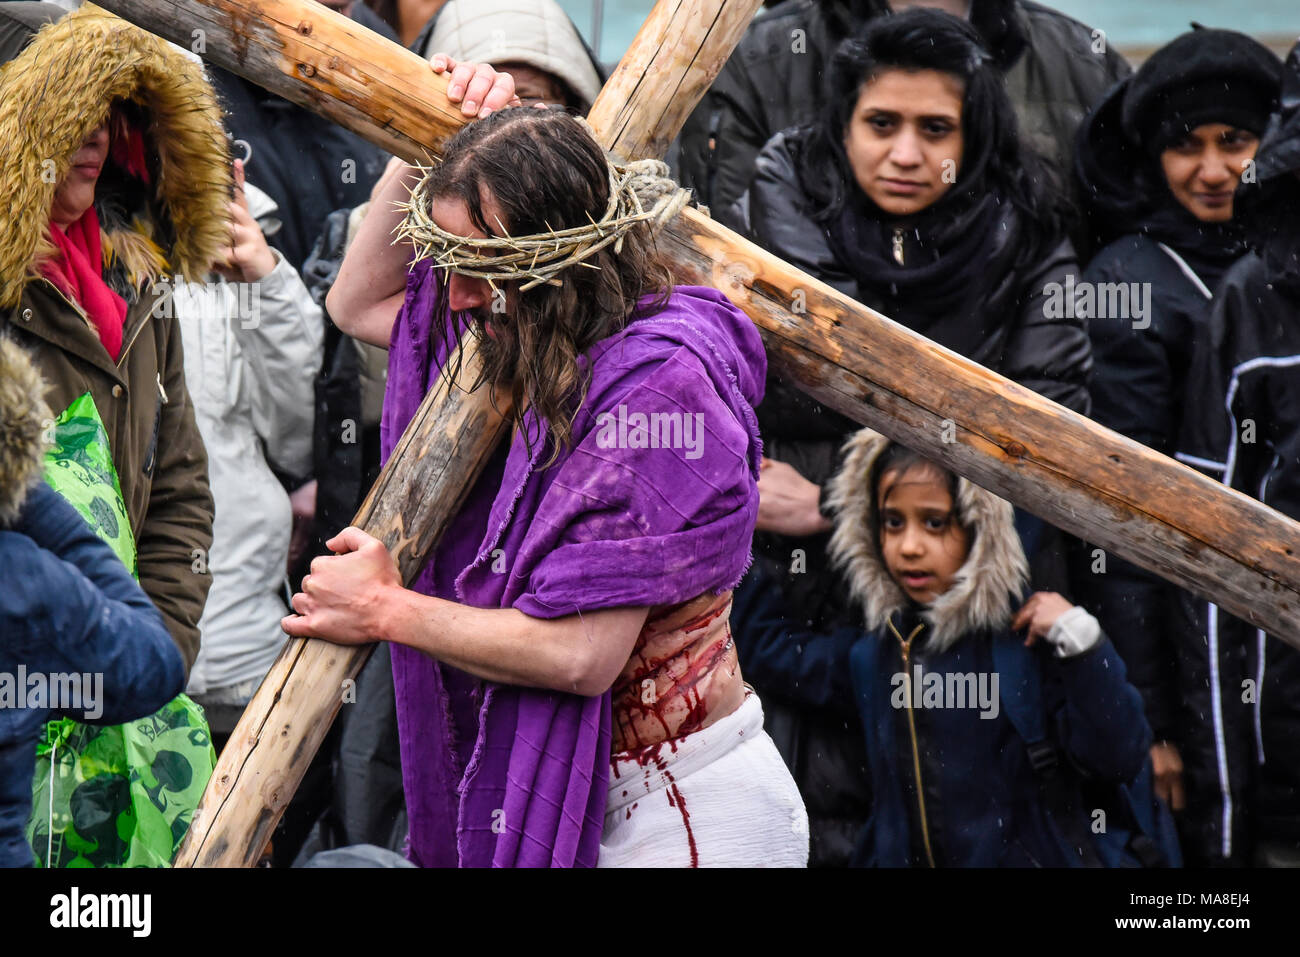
(567, 688)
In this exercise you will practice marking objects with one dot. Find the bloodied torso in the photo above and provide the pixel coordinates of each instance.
(683, 674)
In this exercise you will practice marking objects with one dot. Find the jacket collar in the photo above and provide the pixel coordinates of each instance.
(981, 596)
(60, 323)
(23, 416)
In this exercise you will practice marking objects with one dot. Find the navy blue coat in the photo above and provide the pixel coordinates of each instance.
(68, 605)
(983, 802)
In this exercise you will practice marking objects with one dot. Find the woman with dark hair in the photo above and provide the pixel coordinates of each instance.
(912, 194)
(1241, 424)
(1158, 162)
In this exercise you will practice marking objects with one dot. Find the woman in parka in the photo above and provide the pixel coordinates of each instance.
(1241, 424)
(1158, 163)
(117, 177)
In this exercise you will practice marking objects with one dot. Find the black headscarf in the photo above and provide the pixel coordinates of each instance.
(949, 248)
(1233, 80)
(1118, 144)
(1202, 76)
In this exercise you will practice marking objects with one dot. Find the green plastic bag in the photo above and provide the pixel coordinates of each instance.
(79, 466)
(118, 796)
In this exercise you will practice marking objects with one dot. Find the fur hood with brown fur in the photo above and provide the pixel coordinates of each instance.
(24, 417)
(982, 592)
(55, 92)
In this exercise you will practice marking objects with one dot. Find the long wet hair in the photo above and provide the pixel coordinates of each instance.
(546, 173)
(993, 158)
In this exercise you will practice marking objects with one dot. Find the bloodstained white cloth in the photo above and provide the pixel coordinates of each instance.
(718, 797)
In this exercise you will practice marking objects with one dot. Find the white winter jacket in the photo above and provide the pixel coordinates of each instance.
(252, 351)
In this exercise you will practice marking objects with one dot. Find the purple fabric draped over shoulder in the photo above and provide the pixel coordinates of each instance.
(654, 503)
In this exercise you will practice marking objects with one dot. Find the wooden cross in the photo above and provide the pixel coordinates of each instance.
(1055, 463)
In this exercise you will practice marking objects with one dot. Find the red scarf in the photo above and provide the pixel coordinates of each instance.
(78, 273)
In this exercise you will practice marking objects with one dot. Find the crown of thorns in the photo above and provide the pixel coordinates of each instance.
(639, 192)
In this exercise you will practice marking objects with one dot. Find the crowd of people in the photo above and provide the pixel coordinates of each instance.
(792, 641)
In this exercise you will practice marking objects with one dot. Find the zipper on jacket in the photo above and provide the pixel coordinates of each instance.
(906, 644)
(898, 257)
(135, 334)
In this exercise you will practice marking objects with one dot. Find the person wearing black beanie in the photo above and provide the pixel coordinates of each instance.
(1242, 425)
(1157, 164)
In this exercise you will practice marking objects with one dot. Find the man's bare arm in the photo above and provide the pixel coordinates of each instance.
(356, 596)
(371, 284)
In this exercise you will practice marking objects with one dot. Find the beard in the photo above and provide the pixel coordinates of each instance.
(498, 351)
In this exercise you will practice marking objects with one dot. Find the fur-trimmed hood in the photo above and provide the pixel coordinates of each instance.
(24, 417)
(983, 589)
(56, 91)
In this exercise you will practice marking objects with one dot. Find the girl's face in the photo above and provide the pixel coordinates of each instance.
(1204, 167)
(923, 544)
(904, 138)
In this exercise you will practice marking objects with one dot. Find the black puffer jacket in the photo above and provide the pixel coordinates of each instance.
(1249, 365)
(1006, 326)
(1155, 281)
(774, 80)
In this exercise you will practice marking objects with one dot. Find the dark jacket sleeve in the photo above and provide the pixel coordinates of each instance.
(797, 429)
(798, 666)
(1217, 743)
(74, 608)
(173, 544)
(1101, 721)
(1048, 350)
(1138, 376)
(722, 137)
(779, 219)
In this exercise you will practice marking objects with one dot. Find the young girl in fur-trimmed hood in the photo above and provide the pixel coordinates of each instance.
(961, 697)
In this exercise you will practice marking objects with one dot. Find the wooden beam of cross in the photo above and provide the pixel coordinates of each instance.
(1055, 463)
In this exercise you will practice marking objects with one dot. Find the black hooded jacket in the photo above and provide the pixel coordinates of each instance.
(1154, 282)
(1242, 424)
(1055, 67)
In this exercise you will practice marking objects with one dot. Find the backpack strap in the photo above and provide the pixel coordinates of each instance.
(1021, 692)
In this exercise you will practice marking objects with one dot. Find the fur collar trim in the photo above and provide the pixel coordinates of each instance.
(58, 90)
(982, 592)
(24, 417)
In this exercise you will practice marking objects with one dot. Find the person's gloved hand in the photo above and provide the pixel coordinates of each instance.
(1068, 628)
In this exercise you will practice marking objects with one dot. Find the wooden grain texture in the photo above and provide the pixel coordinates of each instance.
(678, 52)
(447, 443)
(1055, 463)
(418, 493)
(317, 58)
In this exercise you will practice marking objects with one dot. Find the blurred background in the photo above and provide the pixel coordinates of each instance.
(1135, 27)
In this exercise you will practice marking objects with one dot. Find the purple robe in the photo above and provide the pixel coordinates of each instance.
(517, 777)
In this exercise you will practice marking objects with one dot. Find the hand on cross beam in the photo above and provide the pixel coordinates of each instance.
(477, 87)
